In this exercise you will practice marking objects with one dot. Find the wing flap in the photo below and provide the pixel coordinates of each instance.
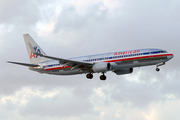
(67, 61)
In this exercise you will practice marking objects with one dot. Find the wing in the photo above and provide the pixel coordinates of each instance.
(72, 63)
(24, 64)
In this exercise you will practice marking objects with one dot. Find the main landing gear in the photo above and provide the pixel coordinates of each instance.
(103, 77)
(90, 76)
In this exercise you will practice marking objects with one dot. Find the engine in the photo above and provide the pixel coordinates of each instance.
(124, 71)
(101, 67)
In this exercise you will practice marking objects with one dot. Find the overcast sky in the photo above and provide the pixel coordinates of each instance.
(70, 28)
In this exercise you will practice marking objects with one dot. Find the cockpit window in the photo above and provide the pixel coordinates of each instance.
(162, 51)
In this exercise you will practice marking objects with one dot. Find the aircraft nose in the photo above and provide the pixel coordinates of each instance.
(170, 56)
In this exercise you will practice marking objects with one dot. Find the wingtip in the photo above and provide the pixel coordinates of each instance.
(9, 62)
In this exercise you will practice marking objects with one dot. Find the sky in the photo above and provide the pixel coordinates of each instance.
(71, 28)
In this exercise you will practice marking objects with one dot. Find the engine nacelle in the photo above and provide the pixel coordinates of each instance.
(124, 71)
(101, 67)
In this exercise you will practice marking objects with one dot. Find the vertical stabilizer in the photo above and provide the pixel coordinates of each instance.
(34, 59)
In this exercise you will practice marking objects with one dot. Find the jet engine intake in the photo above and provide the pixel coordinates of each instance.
(124, 71)
(101, 67)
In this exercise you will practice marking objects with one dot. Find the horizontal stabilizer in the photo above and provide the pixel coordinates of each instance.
(24, 64)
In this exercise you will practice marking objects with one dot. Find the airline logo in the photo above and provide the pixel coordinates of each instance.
(127, 52)
(33, 55)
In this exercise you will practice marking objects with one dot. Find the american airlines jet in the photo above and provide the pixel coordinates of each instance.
(121, 62)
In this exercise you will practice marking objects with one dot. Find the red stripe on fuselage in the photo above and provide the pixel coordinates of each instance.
(139, 57)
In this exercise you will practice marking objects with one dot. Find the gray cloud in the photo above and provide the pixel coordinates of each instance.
(69, 20)
(134, 24)
(65, 106)
(19, 12)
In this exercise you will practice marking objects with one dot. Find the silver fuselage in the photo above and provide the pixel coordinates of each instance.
(118, 60)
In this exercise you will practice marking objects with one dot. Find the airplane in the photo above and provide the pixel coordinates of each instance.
(120, 62)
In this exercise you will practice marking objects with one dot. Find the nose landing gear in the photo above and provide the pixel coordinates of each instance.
(157, 69)
(160, 64)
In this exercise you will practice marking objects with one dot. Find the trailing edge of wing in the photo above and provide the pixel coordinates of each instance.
(24, 64)
(62, 61)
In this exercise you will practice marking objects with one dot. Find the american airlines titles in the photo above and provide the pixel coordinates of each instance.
(127, 52)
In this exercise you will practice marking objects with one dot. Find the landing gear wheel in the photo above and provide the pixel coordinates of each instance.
(89, 76)
(103, 77)
(157, 69)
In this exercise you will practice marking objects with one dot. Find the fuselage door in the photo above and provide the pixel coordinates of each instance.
(150, 58)
(150, 55)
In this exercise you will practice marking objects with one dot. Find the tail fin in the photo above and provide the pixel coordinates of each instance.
(34, 59)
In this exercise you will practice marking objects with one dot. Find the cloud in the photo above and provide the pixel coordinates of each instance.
(74, 28)
(19, 12)
(83, 6)
(62, 104)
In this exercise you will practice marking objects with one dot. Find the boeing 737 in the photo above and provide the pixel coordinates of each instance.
(121, 62)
